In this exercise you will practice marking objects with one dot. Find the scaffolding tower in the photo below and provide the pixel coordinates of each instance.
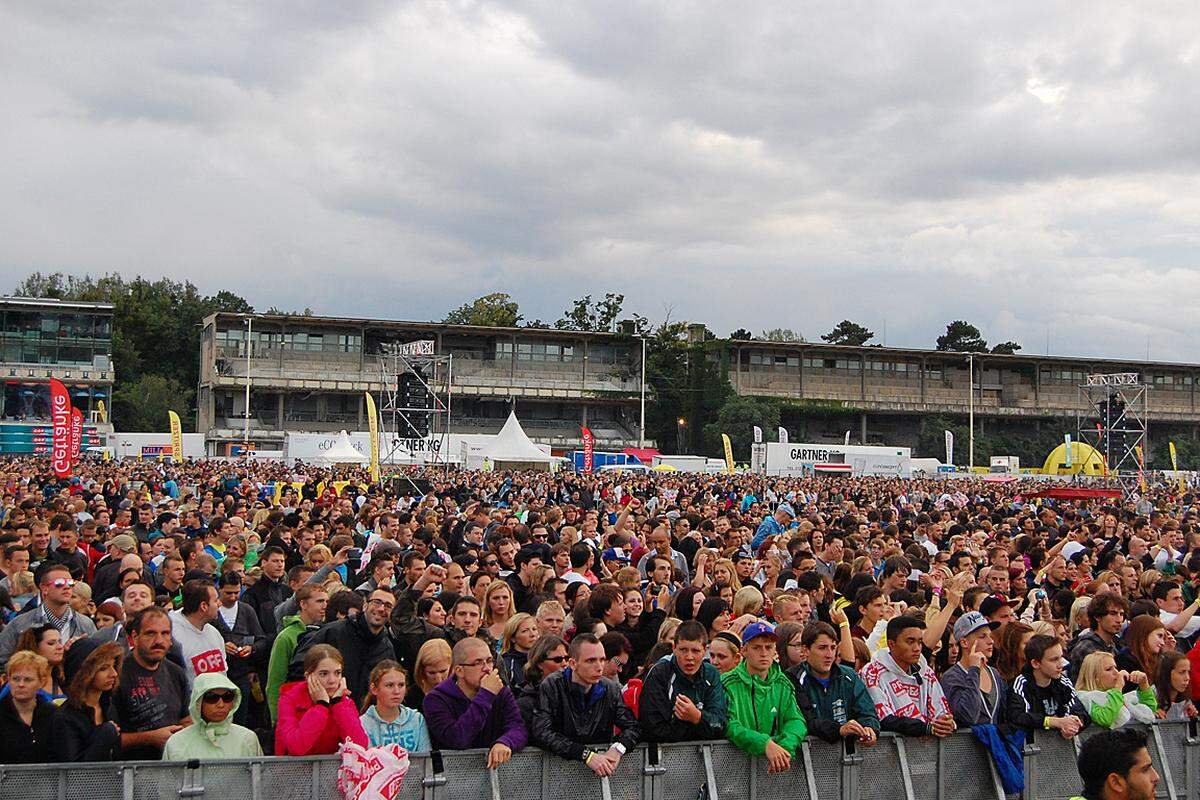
(415, 403)
(1112, 419)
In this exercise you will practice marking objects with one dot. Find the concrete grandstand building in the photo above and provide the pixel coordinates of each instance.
(309, 373)
(887, 390)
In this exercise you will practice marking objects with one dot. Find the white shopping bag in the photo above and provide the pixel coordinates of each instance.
(371, 773)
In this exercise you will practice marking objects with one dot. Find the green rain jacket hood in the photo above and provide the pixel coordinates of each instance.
(212, 739)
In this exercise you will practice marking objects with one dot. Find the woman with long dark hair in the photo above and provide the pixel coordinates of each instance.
(1145, 641)
(81, 730)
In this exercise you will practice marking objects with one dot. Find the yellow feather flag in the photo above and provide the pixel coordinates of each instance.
(1141, 468)
(373, 427)
(728, 452)
(1175, 465)
(176, 436)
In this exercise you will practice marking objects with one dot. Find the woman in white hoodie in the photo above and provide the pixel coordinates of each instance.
(1099, 687)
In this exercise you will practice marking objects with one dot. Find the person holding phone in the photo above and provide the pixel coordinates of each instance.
(246, 646)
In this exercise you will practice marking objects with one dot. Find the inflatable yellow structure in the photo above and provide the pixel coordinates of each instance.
(1085, 460)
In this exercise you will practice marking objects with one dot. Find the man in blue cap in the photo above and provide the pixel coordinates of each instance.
(773, 525)
(764, 719)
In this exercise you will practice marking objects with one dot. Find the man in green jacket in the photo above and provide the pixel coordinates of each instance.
(764, 719)
(833, 699)
(312, 599)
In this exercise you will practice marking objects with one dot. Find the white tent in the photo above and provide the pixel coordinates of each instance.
(512, 449)
(343, 451)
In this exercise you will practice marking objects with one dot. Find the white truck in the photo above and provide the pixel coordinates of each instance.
(1005, 465)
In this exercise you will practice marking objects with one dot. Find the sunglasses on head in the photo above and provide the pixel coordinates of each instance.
(219, 697)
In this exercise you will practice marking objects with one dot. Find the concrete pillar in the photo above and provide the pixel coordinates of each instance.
(279, 413)
(361, 402)
(583, 414)
(863, 429)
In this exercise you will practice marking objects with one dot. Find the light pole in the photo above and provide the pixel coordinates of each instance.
(971, 409)
(246, 430)
(642, 424)
(679, 426)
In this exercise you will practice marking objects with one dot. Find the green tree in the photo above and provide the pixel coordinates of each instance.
(584, 315)
(847, 332)
(741, 335)
(143, 404)
(962, 337)
(780, 335)
(1187, 452)
(496, 310)
(1007, 348)
(737, 417)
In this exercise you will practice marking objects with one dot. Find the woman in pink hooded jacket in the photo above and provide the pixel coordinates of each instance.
(317, 714)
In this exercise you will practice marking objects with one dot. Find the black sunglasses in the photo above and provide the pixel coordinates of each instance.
(219, 697)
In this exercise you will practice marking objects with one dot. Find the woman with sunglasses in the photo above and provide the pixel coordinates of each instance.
(212, 734)
(548, 656)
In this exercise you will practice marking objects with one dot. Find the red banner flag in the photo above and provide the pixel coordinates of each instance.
(589, 446)
(60, 417)
(76, 434)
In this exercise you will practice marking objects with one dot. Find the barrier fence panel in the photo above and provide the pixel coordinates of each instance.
(955, 768)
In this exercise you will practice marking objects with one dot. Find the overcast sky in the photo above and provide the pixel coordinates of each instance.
(1030, 167)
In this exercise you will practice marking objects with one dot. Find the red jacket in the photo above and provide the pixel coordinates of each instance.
(306, 728)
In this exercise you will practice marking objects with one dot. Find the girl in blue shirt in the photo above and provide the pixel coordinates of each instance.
(386, 720)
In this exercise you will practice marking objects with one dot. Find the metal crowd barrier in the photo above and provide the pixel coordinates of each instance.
(954, 768)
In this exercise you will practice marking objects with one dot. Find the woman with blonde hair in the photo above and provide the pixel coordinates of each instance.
(520, 634)
(317, 556)
(497, 608)
(431, 667)
(1099, 686)
(24, 714)
(724, 573)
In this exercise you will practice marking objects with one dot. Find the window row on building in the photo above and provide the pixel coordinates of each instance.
(300, 341)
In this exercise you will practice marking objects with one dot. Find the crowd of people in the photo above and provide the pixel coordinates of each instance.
(211, 609)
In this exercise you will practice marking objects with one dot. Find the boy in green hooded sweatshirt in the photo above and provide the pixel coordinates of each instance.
(764, 719)
(212, 734)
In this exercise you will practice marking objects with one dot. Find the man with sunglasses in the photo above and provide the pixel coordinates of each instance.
(473, 708)
(213, 734)
(55, 587)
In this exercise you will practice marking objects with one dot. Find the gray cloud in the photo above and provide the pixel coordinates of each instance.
(1031, 167)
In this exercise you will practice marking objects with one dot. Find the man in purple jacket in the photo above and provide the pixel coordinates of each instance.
(473, 708)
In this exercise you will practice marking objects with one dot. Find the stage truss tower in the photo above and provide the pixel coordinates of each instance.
(415, 403)
(1112, 419)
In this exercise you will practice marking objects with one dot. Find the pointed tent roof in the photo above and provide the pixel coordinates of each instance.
(512, 444)
(344, 452)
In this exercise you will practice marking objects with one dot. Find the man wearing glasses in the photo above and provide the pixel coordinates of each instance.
(473, 708)
(55, 587)
(361, 639)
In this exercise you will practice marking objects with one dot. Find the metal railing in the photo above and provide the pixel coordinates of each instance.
(954, 768)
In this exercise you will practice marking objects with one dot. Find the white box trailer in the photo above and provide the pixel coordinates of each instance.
(154, 445)
(803, 460)
(683, 463)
